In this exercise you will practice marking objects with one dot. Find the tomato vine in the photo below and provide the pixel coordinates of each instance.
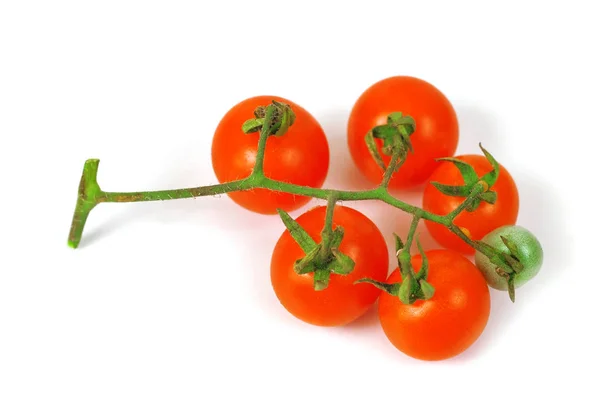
(274, 120)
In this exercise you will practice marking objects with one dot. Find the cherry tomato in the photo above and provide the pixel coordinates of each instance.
(448, 323)
(342, 301)
(530, 255)
(300, 156)
(436, 133)
(485, 218)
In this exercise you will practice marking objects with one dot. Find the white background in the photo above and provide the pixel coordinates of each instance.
(172, 300)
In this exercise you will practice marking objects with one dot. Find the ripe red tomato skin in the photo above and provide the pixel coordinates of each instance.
(448, 323)
(479, 223)
(436, 132)
(342, 301)
(301, 156)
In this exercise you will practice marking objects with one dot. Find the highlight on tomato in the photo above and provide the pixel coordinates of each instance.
(449, 322)
(339, 301)
(436, 134)
(300, 156)
(502, 209)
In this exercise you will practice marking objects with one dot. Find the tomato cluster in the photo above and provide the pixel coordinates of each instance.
(453, 318)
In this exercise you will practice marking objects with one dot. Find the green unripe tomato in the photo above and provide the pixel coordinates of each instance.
(530, 255)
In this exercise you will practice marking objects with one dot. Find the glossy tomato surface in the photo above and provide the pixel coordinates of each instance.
(448, 323)
(436, 133)
(485, 218)
(342, 301)
(300, 156)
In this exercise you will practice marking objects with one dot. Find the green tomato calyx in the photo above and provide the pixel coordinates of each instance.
(395, 136)
(414, 286)
(321, 259)
(476, 188)
(509, 257)
(276, 117)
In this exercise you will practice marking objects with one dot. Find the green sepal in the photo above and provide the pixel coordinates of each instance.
(342, 264)
(489, 196)
(298, 233)
(386, 133)
(389, 288)
(372, 146)
(422, 274)
(253, 125)
(406, 293)
(491, 177)
(336, 237)
(511, 287)
(399, 243)
(485, 248)
(448, 190)
(405, 138)
(498, 261)
(427, 290)
(466, 170)
(286, 120)
(404, 125)
(307, 263)
(404, 264)
(495, 256)
(408, 122)
(395, 135)
(513, 262)
(321, 279)
(473, 205)
(511, 246)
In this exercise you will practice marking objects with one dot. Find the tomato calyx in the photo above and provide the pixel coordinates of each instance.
(476, 188)
(277, 117)
(321, 259)
(414, 285)
(395, 135)
(508, 262)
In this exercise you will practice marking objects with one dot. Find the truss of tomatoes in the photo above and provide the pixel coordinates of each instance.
(435, 329)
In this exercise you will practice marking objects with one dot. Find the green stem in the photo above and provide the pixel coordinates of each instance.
(90, 194)
(88, 197)
(458, 232)
(411, 232)
(262, 142)
(127, 197)
(406, 268)
(475, 192)
(327, 232)
(395, 163)
(252, 182)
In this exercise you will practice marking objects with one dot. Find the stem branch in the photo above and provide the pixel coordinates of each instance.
(326, 233)
(412, 230)
(262, 142)
(90, 194)
(395, 163)
(476, 191)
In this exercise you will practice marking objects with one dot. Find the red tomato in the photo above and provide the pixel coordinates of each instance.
(485, 218)
(300, 156)
(342, 301)
(436, 133)
(448, 323)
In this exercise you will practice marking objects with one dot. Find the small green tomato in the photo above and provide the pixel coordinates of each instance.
(529, 251)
